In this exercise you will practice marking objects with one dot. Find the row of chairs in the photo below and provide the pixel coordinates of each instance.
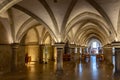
(99, 57)
(85, 57)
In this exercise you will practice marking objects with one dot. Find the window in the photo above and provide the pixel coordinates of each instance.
(94, 44)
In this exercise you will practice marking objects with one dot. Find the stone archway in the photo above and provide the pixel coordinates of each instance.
(94, 46)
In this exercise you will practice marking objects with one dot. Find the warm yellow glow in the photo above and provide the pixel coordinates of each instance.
(47, 41)
(72, 43)
(10, 39)
(33, 51)
(31, 36)
(59, 38)
(116, 39)
(45, 54)
(55, 53)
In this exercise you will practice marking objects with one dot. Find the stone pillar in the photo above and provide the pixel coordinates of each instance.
(83, 49)
(14, 61)
(77, 53)
(78, 49)
(117, 60)
(40, 53)
(59, 65)
(72, 51)
(117, 57)
(45, 53)
(108, 53)
(52, 53)
(72, 48)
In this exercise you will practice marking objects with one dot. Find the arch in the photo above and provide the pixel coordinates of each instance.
(45, 37)
(20, 32)
(90, 27)
(37, 34)
(32, 39)
(92, 34)
(68, 12)
(103, 13)
(86, 17)
(49, 10)
(67, 39)
(87, 34)
(23, 26)
(94, 39)
(36, 18)
(92, 47)
(85, 40)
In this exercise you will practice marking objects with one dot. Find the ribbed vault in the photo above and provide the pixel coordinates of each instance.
(76, 21)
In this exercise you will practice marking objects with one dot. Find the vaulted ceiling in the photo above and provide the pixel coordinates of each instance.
(77, 21)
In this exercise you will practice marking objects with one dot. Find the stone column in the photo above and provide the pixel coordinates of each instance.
(52, 53)
(117, 60)
(77, 53)
(72, 51)
(72, 48)
(14, 61)
(108, 53)
(78, 49)
(117, 57)
(59, 65)
(40, 53)
(83, 49)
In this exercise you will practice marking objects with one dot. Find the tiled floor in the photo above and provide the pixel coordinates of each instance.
(92, 70)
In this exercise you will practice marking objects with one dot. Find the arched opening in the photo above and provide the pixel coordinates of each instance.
(32, 46)
(94, 47)
(38, 46)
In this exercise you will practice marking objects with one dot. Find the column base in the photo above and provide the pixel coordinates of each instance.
(45, 62)
(117, 73)
(19, 69)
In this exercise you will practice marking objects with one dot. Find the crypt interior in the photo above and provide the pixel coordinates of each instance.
(59, 39)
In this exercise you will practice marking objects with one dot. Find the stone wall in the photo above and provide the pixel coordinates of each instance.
(21, 57)
(5, 58)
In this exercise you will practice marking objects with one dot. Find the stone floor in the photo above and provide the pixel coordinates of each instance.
(73, 70)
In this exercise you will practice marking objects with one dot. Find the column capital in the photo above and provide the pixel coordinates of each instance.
(107, 46)
(83, 46)
(59, 45)
(72, 45)
(116, 44)
(15, 45)
(78, 45)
